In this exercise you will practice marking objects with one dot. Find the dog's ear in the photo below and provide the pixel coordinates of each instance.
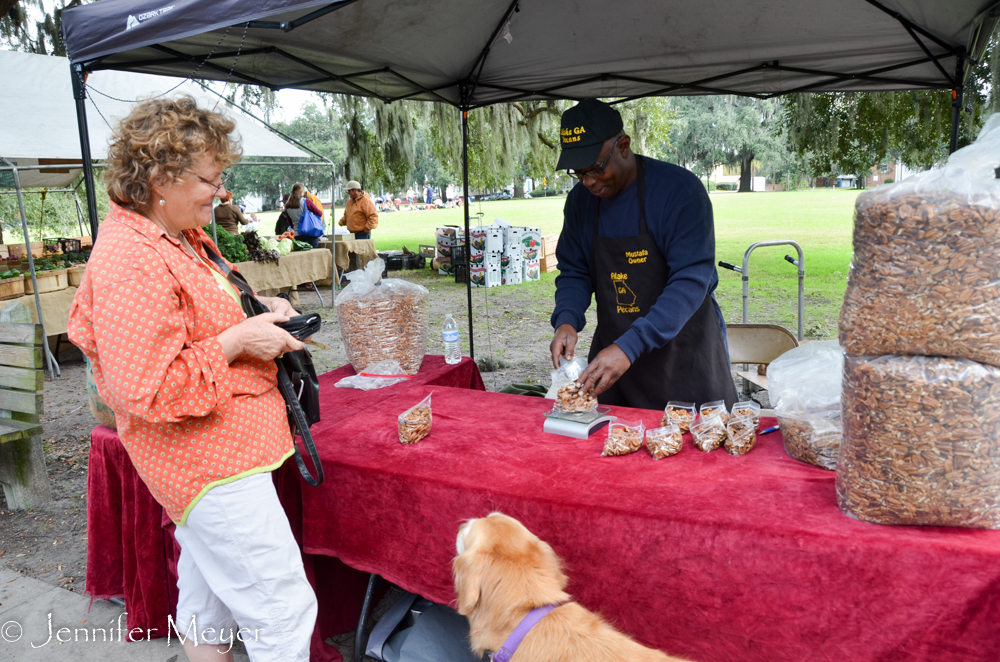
(468, 570)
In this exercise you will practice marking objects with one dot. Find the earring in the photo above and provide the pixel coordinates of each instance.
(162, 202)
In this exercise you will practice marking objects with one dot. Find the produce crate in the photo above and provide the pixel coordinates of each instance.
(76, 275)
(12, 288)
(549, 264)
(549, 243)
(37, 248)
(70, 245)
(48, 281)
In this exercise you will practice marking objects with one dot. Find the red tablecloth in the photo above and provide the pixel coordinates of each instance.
(707, 556)
(131, 551)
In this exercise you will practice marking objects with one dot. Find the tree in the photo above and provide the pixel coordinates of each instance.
(318, 128)
(852, 131)
(726, 130)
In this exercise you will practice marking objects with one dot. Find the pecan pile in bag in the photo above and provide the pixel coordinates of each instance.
(623, 438)
(664, 441)
(415, 422)
(925, 276)
(383, 319)
(921, 442)
(570, 398)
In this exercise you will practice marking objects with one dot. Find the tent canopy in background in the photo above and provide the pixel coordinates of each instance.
(44, 131)
(477, 52)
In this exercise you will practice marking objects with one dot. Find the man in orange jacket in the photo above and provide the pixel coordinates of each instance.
(360, 215)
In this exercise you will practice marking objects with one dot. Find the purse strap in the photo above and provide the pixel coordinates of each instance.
(252, 306)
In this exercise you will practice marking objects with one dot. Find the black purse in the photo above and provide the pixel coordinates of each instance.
(297, 381)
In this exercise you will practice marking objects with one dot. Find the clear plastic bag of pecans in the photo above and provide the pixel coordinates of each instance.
(748, 408)
(680, 414)
(623, 438)
(415, 422)
(709, 433)
(713, 408)
(664, 441)
(570, 398)
(741, 435)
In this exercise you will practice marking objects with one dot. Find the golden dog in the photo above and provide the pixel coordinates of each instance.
(502, 572)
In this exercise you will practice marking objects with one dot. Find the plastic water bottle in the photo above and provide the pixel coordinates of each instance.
(452, 353)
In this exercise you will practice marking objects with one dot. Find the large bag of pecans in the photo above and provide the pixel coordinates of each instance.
(921, 442)
(804, 387)
(383, 319)
(925, 276)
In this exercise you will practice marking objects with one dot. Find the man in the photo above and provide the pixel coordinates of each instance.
(637, 235)
(360, 215)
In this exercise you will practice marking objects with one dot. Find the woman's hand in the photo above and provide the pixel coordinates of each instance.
(258, 338)
(279, 305)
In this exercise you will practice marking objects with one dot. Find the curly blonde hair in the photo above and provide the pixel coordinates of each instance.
(159, 141)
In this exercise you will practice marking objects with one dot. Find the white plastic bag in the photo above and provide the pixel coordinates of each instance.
(377, 375)
(383, 319)
(925, 276)
(805, 387)
(568, 372)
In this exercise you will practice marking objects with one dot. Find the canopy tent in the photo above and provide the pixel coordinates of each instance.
(46, 133)
(471, 53)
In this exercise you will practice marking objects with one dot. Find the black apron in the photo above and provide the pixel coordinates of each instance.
(629, 275)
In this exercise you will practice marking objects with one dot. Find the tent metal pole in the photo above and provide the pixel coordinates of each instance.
(465, 208)
(53, 365)
(79, 212)
(80, 94)
(957, 101)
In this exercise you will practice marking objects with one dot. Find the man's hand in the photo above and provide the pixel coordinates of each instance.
(606, 369)
(563, 342)
(343, 221)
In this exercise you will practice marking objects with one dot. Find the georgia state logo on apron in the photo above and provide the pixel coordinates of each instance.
(624, 296)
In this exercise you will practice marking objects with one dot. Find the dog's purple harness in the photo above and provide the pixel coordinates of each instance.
(509, 647)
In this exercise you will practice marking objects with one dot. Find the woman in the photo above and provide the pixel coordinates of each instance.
(228, 216)
(192, 382)
(297, 201)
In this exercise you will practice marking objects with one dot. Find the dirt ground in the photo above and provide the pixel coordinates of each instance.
(50, 543)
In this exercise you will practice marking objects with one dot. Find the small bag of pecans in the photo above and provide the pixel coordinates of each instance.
(680, 414)
(741, 435)
(664, 441)
(415, 422)
(709, 434)
(713, 408)
(748, 408)
(623, 438)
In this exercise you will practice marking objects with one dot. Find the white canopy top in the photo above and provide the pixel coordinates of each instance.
(39, 125)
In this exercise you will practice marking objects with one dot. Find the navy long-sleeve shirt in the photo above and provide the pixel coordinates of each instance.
(679, 218)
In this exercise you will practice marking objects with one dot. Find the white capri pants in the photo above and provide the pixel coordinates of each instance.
(240, 564)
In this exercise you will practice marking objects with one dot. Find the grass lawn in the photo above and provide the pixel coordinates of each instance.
(820, 221)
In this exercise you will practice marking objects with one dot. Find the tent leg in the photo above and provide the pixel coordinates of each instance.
(956, 117)
(53, 365)
(79, 212)
(465, 207)
(80, 94)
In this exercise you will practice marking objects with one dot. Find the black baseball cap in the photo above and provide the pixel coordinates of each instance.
(585, 128)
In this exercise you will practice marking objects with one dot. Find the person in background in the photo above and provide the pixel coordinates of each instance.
(228, 216)
(193, 384)
(296, 202)
(360, 215)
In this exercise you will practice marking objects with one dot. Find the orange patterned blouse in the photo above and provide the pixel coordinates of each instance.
(147, 315)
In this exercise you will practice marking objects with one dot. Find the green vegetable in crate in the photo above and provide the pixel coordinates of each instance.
(231, 246)
(10, 273)
(301, 246)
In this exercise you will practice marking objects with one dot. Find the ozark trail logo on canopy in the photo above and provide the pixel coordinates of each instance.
(135, 21)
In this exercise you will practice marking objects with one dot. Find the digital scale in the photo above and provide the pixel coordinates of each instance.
(578, 425)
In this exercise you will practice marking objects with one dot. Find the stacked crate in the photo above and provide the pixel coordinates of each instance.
(531, 250)
(485, 253)
(449, 237)
(549, 261)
